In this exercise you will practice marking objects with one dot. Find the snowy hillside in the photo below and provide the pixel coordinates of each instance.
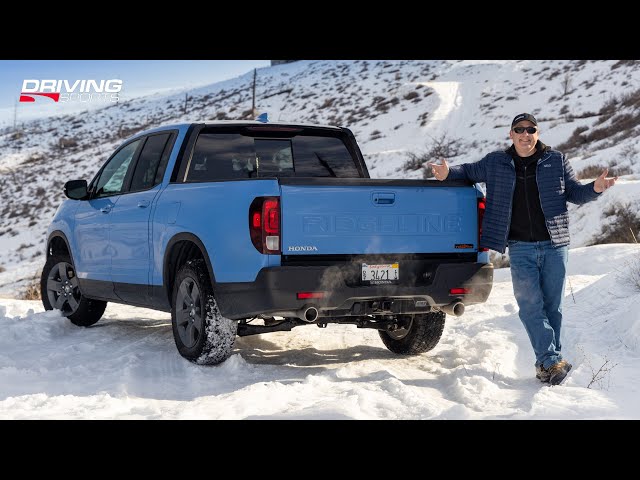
(127, 366)
(588, 108)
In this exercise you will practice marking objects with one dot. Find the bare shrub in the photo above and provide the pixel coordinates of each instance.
(620, 63)
(35, 157)
(600, 376)
(620, 227)
(384, 105)
(613, 105)
(327, 103)
(67, 142)
(598, 134)
(624, 122)
(554, 74)
(575, 140)
(629, 152)
(567, 84)
(415, 162)
(446, 147)
(439, 148)
(126, 132)
(631, 99)
(32, 292)
(593, 171)
(620, 170)
(633, 272)
(608, 109)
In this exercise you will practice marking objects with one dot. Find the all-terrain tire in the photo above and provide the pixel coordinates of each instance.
(201, 333)
(423, 334)
(59, 289)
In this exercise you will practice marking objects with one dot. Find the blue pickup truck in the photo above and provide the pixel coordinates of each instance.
(242, 228)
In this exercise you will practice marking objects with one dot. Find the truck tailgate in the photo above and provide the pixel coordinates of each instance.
(373, 216)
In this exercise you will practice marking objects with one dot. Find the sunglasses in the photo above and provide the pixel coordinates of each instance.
(530, 130)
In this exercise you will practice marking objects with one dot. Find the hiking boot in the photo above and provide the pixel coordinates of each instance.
(558, 372)
(542, 374)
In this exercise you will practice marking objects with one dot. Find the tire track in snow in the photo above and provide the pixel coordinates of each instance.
(450, 102)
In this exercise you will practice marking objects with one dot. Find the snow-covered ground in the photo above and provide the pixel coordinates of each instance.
(127, 367)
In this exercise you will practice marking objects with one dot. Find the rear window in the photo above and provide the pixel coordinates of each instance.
(226, 156)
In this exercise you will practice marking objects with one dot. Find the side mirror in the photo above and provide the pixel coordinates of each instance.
(76, 189)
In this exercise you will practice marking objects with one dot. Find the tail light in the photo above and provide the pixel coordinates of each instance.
(459, 291)
(307, 295)
(482, 205)
(264, 224)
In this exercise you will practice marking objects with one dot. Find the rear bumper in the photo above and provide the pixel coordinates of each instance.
(274, 291)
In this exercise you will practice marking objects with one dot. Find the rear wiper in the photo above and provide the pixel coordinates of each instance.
(325, 165)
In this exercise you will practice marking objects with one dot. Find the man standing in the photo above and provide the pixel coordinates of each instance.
(528, 187)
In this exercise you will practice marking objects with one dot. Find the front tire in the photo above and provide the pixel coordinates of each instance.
(421, 333)
(59, 290)
(201, 333)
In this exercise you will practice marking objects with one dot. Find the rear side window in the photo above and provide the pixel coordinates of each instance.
(222, 156)
(150, 158)
(225, 156)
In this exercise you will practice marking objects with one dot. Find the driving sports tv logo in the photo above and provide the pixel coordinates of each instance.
(76, 91)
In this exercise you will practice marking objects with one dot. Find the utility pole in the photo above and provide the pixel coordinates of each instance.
(253, 104)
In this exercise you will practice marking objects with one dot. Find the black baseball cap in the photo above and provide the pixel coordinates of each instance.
(524, 116)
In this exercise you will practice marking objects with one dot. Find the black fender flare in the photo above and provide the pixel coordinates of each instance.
(59, 234)
(179, 237)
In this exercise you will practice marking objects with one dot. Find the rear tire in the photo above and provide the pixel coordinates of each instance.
(59, 290)
(422, 334)
(201, 333)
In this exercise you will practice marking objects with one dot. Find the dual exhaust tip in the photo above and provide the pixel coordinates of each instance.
(456, 309)
(310, 313)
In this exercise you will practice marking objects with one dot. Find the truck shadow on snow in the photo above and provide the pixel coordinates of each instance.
(260, 351)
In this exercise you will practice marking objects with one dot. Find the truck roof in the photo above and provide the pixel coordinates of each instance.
(255, 122)
(185, 126)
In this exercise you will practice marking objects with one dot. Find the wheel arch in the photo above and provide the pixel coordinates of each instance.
(181, 248)
(57, 243)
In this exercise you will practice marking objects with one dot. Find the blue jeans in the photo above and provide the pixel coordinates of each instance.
(538, 272)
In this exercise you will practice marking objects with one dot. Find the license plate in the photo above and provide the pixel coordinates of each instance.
(387, 274)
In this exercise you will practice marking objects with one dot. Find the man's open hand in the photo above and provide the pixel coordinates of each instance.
(602, 183)
(441, 172)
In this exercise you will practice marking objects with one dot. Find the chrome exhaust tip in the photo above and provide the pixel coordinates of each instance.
(309, 314)
(456, 309)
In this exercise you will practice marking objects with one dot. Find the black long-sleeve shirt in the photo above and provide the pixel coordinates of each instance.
(527, 220)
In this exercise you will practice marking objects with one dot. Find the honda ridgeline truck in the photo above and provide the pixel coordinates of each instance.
(242, 228)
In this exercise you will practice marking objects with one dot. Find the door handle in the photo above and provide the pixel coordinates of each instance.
(143, 203)
(383, 198)
(106, 209)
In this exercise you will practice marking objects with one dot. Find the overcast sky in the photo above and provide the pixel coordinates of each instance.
(139, 77)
